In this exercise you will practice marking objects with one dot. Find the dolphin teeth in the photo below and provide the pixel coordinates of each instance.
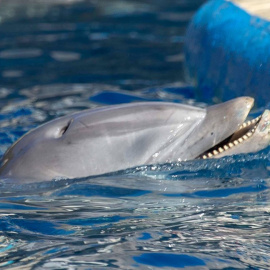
(235, 142)
(248, 123)
(253, 123)
(242, 126)
(240, 140)
(220, 149)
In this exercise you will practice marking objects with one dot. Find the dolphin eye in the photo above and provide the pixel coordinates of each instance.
(64, 129)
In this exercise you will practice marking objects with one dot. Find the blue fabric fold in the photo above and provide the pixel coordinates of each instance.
(228, 53)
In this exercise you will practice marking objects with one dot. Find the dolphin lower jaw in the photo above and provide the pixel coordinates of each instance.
(241, 137)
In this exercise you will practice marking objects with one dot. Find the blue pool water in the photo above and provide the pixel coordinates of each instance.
(58, 57)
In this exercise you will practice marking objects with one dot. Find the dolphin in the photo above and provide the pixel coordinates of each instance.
(112, 138)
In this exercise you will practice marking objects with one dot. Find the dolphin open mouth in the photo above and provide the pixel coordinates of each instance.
(241, 135)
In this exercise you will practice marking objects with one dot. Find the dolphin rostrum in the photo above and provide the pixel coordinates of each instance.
(112, 138)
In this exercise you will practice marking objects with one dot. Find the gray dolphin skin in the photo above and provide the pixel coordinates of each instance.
(112, 138)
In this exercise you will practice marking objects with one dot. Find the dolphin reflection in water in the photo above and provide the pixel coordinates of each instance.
(107, 139)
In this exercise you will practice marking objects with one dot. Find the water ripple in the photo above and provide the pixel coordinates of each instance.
(58, 57)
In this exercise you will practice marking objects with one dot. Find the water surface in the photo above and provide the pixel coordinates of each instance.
(57, 57)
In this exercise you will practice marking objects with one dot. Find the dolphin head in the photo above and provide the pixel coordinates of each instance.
(118, 137)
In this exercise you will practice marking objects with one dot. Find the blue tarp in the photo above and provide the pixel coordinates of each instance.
(228, 53)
